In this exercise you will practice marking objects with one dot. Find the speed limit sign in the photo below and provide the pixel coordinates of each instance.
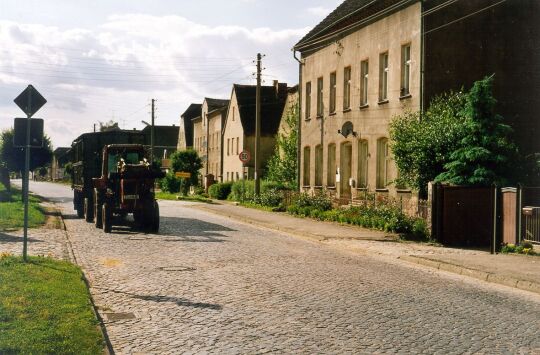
(244, 156)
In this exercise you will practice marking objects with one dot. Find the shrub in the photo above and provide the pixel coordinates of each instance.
(242, 189)
(319, 201)
(270, 198)
(220, 191)
(170, 183)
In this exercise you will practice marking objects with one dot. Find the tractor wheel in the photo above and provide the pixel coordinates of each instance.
(78, 205)
(154, 227)
(88, 210)
(98, 217)
(106, 217)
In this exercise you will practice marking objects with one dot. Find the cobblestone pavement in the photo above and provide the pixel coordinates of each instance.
(207, 284)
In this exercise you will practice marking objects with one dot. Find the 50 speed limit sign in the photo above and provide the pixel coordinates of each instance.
(244, 156)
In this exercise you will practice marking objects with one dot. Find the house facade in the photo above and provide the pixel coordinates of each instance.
(214, 111)
(239, 127)
(185, 136)
(351, 88)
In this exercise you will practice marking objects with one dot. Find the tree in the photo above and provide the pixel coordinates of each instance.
(187, 161)
(487, 154)
(422, 142)
(13, 158)
(108, 126)
(282, 165)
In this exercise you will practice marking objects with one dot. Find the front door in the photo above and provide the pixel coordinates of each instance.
(345, 169)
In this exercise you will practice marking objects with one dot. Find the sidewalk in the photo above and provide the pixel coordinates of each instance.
(519, 271)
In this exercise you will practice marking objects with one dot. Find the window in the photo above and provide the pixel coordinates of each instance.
(362, 176)
(227, 176)
(307, 153)
(364, 72)
(333, 92)
(383, 160)
(237, 176)
(233, 113)
(237, 144)
(320, 97)
(331, 169)
(318, 165)
(405, 70)
(347, 88)
(308, 100)
(383, 77)
(228, 147)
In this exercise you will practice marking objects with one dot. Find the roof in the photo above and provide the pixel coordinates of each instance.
(350, 15)
(163, 135)
(272, 103)
(61, 151)
(214, 104)
(192, 111)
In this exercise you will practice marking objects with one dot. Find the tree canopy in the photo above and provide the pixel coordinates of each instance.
(422, 142)
(282, 165)
(13, 158)
(487, 154)
(188, 161)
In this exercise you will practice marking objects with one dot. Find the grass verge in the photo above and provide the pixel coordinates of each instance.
(169, 196)
(12, 210)
(45, 309)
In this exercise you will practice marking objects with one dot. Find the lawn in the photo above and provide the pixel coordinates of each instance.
(12, 210)
(45, 309)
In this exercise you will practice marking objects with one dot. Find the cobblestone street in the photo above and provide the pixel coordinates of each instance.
(208, 284)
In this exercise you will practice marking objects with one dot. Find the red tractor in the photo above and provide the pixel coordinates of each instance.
(126, 186)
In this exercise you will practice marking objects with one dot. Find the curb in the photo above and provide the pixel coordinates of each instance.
(276, 227)
(73, 256)
(477, 274)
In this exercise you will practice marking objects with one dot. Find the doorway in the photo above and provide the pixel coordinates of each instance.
(345, 169)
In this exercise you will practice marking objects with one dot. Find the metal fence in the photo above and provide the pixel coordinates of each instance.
(532, 224)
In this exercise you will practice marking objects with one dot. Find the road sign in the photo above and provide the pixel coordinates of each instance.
(244, 156)
(36, 132)
(30, 101)
(182, 174)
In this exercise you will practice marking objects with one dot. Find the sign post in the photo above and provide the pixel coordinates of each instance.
(30, 101)
(244, 157)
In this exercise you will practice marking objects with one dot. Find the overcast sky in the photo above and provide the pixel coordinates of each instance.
(98, 60)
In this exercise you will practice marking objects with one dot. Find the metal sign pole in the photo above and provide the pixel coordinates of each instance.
(26, 177)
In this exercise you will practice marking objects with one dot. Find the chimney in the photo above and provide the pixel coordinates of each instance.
(276, 87)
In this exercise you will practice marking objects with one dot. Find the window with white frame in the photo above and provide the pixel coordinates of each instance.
(320, 97)
(364, 73)
(405, 70)
(383, 77)
(383, 163)
(308, 100)
(346, 88)
(362, 173)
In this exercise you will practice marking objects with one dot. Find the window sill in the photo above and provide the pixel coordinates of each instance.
(382, 102)
(403, 191)
(381, 190)
(306, 186)
(307, 119)
(364, 106)
(333, 187)
(332, 113)
(347, 109)
(318, 116)
(318, 187)
(361, 189)
(408, 96)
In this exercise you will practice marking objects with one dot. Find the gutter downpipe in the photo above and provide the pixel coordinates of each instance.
(299, 135)
(422, 56)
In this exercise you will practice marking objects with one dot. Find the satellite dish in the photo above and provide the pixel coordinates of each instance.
(347, 129)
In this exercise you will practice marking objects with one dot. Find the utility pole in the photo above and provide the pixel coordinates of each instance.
(152, 135)
(258, 127)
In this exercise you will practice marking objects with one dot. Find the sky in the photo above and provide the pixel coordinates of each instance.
(100, 60)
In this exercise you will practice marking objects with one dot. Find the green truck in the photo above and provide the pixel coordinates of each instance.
(105, 166)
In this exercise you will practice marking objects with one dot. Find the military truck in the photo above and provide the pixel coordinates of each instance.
(126, 185)
(86, 155)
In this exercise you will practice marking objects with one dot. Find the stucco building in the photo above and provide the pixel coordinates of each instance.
(239, 127)
(185, 137)
(370, 60)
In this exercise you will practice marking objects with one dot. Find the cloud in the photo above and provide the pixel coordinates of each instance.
(114, 70)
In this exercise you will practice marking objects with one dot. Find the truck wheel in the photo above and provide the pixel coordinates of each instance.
(88, 210)
(98, 216)
(106, 217)
(80, 210)
(155, 218)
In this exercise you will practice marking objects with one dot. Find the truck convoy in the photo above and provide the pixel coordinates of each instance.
(111, 177)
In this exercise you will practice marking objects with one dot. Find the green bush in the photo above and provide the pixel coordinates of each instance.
(170, 183)
(242, 189)
(319, 201)
(270, 198)
(524, 248)
(220, 191)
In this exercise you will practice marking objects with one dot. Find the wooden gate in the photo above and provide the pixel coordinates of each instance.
(463, 215)
(509, 215)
